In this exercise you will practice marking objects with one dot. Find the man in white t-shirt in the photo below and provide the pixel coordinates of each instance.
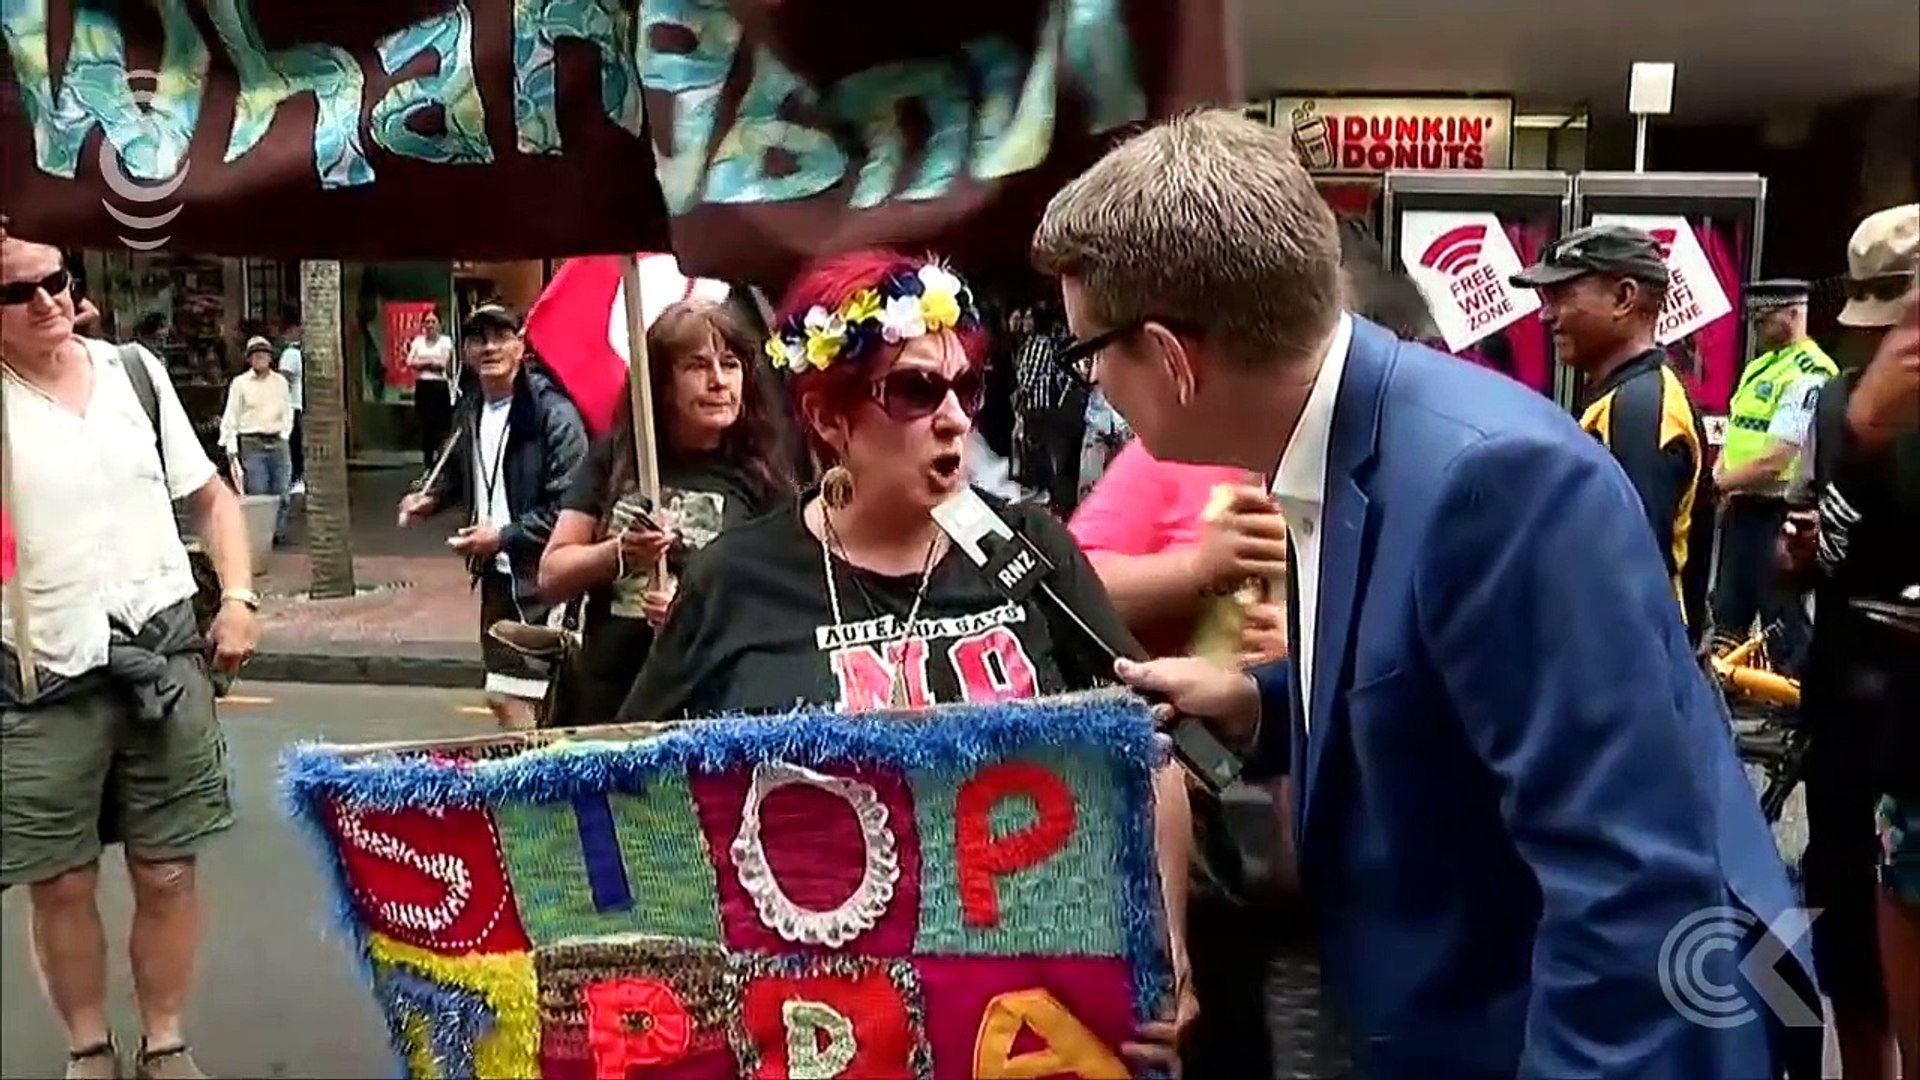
(109, 728)
(430, 358)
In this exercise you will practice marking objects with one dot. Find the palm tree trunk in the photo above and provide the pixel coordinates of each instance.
(329, 522)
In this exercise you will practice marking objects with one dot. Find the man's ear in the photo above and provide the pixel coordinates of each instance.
(1626, 296)
(1164, 347)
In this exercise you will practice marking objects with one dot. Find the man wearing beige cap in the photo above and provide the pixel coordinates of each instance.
(255, 428)
(1854, 547)
(1881, 259)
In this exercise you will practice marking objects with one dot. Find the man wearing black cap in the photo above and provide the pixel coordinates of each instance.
(1601, 289)
(1769, 415)
(520, 442)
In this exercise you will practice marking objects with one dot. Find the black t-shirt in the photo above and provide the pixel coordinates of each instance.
(705, 496)
(1861, 665)
(753, 630)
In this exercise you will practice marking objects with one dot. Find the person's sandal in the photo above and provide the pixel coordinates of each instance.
(168, 1063)
(97, 1062)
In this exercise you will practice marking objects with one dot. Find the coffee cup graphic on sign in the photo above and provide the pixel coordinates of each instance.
(1312, 138)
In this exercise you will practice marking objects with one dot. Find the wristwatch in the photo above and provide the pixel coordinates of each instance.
(241, 596)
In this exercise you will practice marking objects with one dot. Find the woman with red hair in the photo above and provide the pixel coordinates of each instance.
(852, 597)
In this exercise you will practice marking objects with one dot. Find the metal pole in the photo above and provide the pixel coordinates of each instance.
(1640, 143)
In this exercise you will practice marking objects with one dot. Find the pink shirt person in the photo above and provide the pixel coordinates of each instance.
(1144, 506)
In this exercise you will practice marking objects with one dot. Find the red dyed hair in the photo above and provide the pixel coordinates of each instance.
(842, 386)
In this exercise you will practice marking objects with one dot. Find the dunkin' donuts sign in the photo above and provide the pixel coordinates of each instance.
(1376, 135)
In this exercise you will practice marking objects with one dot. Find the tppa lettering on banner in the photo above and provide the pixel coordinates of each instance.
(1695, 299)
(1461, 263)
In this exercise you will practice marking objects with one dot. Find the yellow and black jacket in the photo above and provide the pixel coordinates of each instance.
(1641, 412)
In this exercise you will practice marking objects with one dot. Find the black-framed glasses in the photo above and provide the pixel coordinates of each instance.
(22, 292)
(1079, 356)
(908, 394)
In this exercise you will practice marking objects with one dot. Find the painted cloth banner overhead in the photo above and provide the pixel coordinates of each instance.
(747, 134)
(1461, 263)
(1694, 296)
(970, 892)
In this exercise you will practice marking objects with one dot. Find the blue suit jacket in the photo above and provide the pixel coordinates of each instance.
(1517, 781)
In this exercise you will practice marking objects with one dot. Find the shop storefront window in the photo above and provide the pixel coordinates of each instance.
(186, 309)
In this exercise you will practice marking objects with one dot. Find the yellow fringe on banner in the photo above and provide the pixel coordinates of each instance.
(505, 981)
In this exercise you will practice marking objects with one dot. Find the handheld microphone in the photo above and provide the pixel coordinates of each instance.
(1018, 570)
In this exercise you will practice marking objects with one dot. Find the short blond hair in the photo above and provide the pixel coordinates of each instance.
(1208, 218)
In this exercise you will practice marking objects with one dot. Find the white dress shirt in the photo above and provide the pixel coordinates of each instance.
(259, 404)
(92, 512)
(1300, 487)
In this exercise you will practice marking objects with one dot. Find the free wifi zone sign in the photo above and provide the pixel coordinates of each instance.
(1461, 263)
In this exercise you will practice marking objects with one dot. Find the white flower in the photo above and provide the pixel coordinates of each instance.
(938, 280)
(901, 320)
(823, 323)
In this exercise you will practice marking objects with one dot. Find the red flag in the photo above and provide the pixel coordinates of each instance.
(6, 546)
(579, 325)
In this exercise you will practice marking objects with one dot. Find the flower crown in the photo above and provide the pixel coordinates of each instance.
(909, 304)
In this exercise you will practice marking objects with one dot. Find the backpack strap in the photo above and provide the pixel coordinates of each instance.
(135, 365)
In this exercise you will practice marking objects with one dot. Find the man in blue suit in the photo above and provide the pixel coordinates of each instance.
(1517, 807)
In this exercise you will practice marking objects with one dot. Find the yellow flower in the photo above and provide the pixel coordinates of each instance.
(821, 349)
(864, 305)
(940, 309)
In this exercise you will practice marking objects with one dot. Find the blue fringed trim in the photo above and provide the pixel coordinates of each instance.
(304, 809)
(952, 738)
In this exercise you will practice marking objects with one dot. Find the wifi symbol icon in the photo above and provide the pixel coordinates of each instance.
(1456, 251)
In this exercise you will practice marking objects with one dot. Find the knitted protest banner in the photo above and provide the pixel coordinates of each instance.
(967, 892)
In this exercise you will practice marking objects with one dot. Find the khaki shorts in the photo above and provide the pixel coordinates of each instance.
(85, 772)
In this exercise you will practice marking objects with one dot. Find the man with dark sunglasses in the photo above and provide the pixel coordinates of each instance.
(110, 732)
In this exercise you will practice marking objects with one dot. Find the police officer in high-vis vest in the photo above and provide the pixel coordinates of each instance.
(1766, 428)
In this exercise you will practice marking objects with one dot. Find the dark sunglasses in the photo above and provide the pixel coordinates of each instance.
(1079, 357)
(1885, 287)
(23, 292)
(911, 393)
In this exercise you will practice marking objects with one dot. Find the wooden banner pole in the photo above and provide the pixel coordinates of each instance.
(640, 391)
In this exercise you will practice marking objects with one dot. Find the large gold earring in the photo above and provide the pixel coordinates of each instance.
(836, 487)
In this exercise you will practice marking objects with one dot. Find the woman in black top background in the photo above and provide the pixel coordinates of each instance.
(722, 461)
(852, 597)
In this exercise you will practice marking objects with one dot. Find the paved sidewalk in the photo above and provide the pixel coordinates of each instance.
(414, 622)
